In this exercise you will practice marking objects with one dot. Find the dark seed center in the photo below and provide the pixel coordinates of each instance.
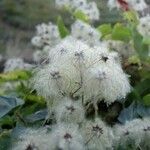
(97, 129)
(67, 136)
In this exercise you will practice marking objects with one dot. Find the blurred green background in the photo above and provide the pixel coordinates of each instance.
(19, 17)
(17, 24)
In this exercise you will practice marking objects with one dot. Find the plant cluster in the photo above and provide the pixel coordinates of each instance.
(83, 75)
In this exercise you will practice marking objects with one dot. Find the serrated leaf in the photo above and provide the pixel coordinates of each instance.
(121, 33)
(63, 31)
(146, 100)
(78, 14)
(9, 103)
(105, 29)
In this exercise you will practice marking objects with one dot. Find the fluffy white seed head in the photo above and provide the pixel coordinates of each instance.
(79, 3)
(113, 4)
(63, 3)
(124, 49)
(35, 139)
(91, 10)
(66, 137)
(38, 56)
(135, 132)
(16, 64)
(69, 111)
(62, 75)
(46, 34)
(138, 5)
(144, 26)
(146, 134)
(41, 55)
(88, 8)
(109, 83)
(85, 33)
(48, 82)
(95, 72)
(37, 41)
(74, 4)
(97, 135)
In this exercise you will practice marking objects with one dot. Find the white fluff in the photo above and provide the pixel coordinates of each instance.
(66, 137)
(124, 49)
(91, 10)
(88, 8)
(144, 26)
(69, 111)
(46, 34)
(16, 64)
(110, 83)
(113, 4)
(135, 132)
(138, 5)
(85, 33)
(36, 139)
(97, 135)
(78, 66)
(41, 55)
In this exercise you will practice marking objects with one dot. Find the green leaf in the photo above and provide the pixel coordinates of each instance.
(28, 95)
(7, 121)
(30, 109)
(105, 29)
(34, 98)
(121, 33)
(5, 140)
(63, 31)
(131, 16)
(146, 100)
(143, 87)
(145, 73)
(140, 47)
(78, 14)
(15, 76)
(9, 103)
(134, 60)
(135, 95)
